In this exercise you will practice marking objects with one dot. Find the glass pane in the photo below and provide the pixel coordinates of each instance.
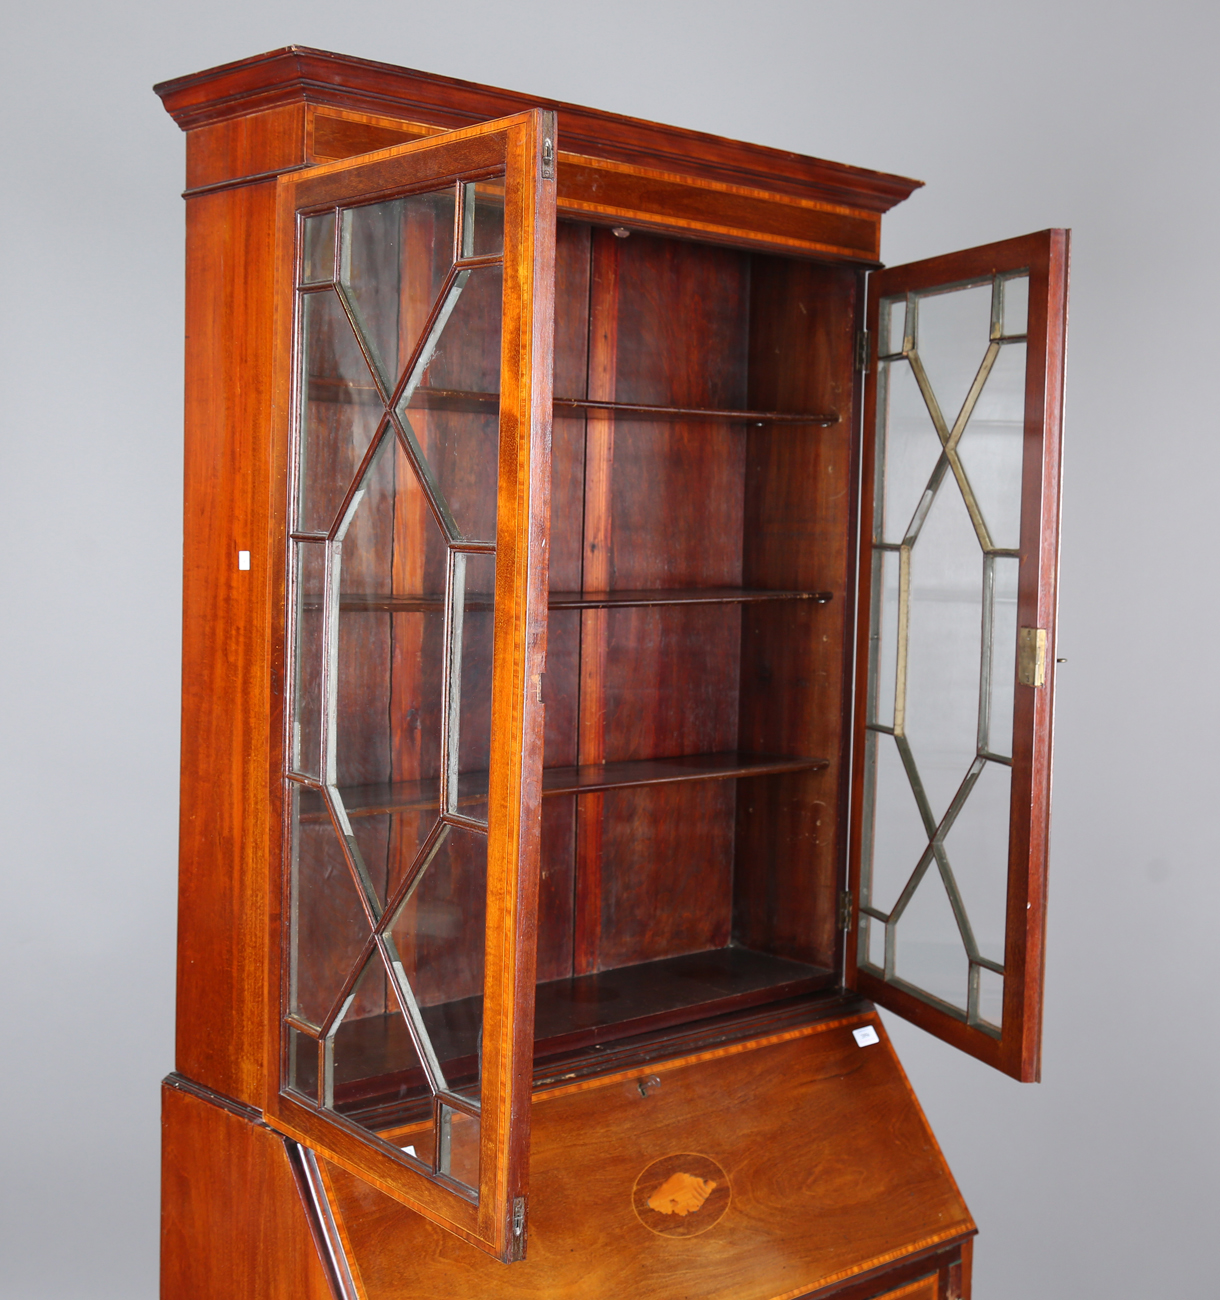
(417, 1140)
(872, 942)
(1016, 305)
(390, 650)
(893, 324)
(310, 648)
(885, 632)
(318, 261)
(437, 936)
(955, 698)
(928, 950)
(375, 1067)
(472, 635)
(329, 925)
(303, 1064)
(483, 219)
(340, 411)
(899, 837)
(1003, 666)
(991, 997)
(952, 333)
(943, 647)
(395, 257)
(977, 848)
(458, 1146)
(992, 446)
(910, 451)
(450, 408)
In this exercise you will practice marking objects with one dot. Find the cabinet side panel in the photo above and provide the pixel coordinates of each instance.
(232, 1221)
(800, 515)
(225, 915)
(246, 146)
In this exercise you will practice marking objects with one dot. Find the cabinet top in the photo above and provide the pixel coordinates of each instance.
(296, 74)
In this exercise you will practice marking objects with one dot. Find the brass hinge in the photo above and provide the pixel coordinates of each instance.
(1031, 656)
(548, 146)
(845, 910)
(862, 351)
(516, 1246)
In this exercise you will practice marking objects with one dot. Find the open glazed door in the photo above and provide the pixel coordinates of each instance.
(955, 665)
(415, 322)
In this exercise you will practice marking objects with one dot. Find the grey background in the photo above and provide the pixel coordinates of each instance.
(1102, 117)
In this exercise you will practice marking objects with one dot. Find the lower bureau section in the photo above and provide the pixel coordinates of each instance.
(783, 1169)
(233, 1225)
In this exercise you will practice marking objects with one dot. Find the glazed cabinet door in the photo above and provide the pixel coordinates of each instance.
(956, 649)
(415, 322)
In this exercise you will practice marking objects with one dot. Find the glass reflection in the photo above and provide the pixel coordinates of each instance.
(339, 416)
(395, 256)
(458, 1146)
(991, 997)
(943, 639)
(309, 652)
(1002, 665)
(893, 325)
(886, 567)
(450, 408)
(953, 332)
(471, 636)
(436, 940)
(976, 846)
(397, 460)
(899, 835)
(372, 1057)
(329, 924)
(483, 219)
(303, 1064)
(928, 951)
(992, 446)
(318, 236)
(1015, 311)
(944, 610)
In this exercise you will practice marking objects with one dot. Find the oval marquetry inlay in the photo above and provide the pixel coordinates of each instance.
(681, 1195)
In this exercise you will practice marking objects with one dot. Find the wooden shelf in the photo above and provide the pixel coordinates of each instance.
(577, 1012)
(413, 796)
(444, 399)
(689, 596)
(640, 411)
(326, 388)
(418, 604)
(662, 771)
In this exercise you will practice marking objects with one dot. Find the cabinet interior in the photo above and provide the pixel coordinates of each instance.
(701, 561)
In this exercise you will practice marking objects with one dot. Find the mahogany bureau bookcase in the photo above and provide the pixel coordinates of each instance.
(618, 652)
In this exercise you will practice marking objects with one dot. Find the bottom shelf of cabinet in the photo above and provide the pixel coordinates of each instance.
(573, 1013)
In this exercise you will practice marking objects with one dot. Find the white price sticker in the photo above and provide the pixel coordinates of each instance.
(865, 1036)
(243, 560)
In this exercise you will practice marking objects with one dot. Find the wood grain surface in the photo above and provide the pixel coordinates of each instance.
(231, 627)
(832, 1173)
(357, 87)
(233, 1223)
